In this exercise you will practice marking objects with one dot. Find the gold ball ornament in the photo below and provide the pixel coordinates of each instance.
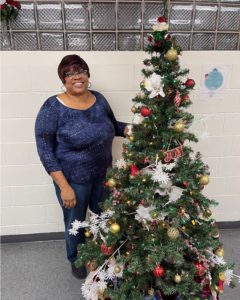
(129, 203)
(144, 180)
(184, 228)
(219, 252)
(130, 154)
(204, 180)
(171, 55)
(134, 109)
(88, 234)
(163, 224)
(151, 292)
(179, 126)
(177, 278)
(154, 214)
(191, 193)
(173, 233)
(131, 138)
(112, 182)
(221, 276)
(207, 213)
(115, 228)
(117, 269)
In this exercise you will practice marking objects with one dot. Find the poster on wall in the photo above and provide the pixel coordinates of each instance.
(214, 82)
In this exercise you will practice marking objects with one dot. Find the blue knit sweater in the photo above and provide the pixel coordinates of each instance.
(77, 142)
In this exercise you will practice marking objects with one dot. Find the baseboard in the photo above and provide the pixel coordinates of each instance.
(37, 237)
(229, 225)
(34, 237)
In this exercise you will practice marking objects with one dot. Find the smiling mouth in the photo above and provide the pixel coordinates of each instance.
(78, 84)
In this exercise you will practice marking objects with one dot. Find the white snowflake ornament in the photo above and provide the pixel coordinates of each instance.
(159, 175)
(154, 85)
(121, 163)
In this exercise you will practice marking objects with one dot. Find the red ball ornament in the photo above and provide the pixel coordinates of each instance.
(134, 170)
(106, 184)
(162, 19)
(186, 98)
(14, 3)
(201, 270)
(190, 83)
(145, 111)
(168, 37)
(106, 250)
(159, 43)
(150, 38)
(186, 184)
(158, 271)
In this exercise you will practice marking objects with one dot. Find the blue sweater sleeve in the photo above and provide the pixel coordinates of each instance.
(45, 134)
(119, 126)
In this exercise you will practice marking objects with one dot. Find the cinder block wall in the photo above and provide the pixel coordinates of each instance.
(29, 204)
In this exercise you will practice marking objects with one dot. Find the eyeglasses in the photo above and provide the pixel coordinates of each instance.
(76, 73)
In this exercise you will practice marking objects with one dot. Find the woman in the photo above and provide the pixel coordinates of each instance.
(74, 132)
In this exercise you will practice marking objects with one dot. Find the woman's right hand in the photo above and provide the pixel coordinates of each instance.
(68, 197)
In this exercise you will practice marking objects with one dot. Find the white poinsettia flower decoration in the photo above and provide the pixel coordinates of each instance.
(154, 85)
(144, 213)
(137, 119)
(2, 2)
(175, 193)
(163, 26)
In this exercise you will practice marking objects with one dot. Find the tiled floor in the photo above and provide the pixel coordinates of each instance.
(40, 271)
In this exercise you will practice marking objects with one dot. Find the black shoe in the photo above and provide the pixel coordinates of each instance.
(79, 273)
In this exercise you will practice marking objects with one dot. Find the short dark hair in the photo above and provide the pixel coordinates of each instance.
(71, 62)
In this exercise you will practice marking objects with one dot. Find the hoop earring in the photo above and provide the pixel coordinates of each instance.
(63, 89)
(89, 84)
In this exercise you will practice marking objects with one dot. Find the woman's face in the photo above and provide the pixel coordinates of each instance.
(76, 81)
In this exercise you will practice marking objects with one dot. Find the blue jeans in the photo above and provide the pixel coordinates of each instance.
(87, 195)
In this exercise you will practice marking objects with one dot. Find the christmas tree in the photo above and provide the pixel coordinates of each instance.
(155, 238)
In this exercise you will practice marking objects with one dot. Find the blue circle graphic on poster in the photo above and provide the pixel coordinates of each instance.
(213, 80)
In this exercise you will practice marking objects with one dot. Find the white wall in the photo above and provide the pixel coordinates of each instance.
(29, 204)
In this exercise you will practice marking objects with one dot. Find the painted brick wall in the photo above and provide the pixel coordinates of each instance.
(29, 204)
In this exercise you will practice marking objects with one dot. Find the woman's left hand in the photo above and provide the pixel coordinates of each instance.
(126, 131)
